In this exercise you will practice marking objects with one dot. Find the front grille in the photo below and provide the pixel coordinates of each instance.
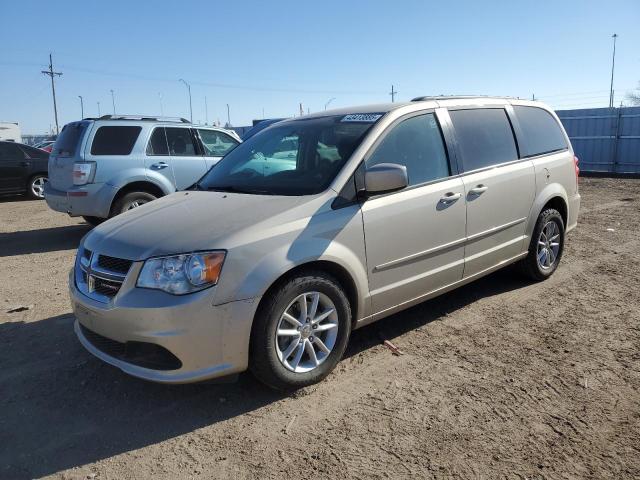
(113, 264)
(141, 354)
(100, 276)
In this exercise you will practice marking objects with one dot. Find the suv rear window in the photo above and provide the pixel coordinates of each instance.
(116, 140)
(68, 139)
(541, 132)
(485, 137)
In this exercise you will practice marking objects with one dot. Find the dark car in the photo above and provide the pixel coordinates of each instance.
(23, 169)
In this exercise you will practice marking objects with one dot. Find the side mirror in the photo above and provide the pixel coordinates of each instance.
(385, 177)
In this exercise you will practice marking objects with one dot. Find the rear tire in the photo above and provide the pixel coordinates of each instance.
(546, 247)
(35, 187)
(129, 201)
(290, 349)
(93, 221)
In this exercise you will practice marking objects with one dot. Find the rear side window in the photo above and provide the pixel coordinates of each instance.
(158, 143)
(68, 140)
(115, 140)
(34, 153)
(542, 134)
(484, 136)
(10, 151)
(417, 144)
(216, 144)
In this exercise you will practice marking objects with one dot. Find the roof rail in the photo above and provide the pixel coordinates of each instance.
(459, 97)
(145, 118)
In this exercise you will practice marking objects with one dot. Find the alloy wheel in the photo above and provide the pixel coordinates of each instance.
(307, 332)
(37, 186)
(548, 245)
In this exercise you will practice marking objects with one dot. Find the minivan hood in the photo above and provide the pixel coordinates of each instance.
(185, 222)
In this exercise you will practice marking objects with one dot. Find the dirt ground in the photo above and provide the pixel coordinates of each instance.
(500, 379)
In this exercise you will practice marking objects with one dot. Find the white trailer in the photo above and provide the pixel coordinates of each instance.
(10, 131)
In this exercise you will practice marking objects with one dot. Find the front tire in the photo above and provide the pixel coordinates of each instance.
(546, 247)
(93, 221)
(300, 332)
(129, 201)
(35, 188)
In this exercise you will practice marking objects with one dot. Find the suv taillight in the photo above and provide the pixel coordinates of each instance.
(83, 172)
(575, 164)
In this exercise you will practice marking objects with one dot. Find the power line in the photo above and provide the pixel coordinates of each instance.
(52, 74)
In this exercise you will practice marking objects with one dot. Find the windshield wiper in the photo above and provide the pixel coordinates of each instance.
(234, 189)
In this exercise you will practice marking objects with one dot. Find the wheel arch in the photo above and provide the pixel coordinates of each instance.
(337, 271)
(553, 196)
(137, 186)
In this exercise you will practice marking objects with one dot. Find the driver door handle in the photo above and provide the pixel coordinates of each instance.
(160, 165)
(478, 190)
(450, 197)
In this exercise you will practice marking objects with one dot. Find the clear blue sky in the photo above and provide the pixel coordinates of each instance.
(273, 55)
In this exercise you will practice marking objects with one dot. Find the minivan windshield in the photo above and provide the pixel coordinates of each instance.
(298, 157)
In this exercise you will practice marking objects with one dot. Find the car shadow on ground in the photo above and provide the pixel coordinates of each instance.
(42, 240)
(61, 408)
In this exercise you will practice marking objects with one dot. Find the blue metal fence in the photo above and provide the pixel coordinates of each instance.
(605, 139)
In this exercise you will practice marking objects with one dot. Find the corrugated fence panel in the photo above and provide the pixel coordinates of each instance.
(605, 139)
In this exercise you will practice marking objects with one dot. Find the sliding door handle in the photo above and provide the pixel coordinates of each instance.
(478, 190)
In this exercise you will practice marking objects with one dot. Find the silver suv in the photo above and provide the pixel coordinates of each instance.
(99, 168)
(319, 225)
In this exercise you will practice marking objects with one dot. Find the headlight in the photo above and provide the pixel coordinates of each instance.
(180, 274)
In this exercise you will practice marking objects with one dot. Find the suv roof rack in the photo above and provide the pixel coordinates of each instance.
(458, 97)
(145, 118)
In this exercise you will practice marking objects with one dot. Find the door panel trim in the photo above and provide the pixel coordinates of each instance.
(419, 255)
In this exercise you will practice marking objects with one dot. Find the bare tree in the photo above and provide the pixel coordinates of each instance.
(634, 97)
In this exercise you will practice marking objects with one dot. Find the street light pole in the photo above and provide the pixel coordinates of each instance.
(81, 107)
(206, 111)
(161, 109)
(613, 64)
(190, 109)
(113, 102)
(98, 109)
(330, 100)
(228, 116)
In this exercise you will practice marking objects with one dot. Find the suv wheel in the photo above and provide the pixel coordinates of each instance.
(130, 201)
(35, 189)
(547, 244)
(301, 332)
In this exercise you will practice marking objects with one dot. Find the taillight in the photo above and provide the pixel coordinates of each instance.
(575, 164)
(83, 173)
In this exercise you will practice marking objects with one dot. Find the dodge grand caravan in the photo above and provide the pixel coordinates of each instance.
(99, 168)
(319, 225)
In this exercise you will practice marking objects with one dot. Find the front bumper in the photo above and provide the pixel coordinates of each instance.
(93, 199)
(209, 340)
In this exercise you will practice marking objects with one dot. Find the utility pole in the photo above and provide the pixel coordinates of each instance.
(613, 64)
(190, 109)
(161, 109)
(533, 97)
(51, 74)
(81, 107)
(98, 109)
(113, 102)
(206, 111)
(393, 94)
(228, 116)
(301, 109)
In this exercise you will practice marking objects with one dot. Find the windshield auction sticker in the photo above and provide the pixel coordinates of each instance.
(362, 117)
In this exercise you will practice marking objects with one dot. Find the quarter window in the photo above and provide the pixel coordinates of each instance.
(485, 137)
(216, 144)
(417, 144)
(115, 140)
(180, 142)
(541, 131)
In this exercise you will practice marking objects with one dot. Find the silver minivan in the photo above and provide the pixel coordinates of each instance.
(99, 168)
(319, 225)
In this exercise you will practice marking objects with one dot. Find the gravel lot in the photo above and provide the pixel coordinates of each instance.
(502, 378)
